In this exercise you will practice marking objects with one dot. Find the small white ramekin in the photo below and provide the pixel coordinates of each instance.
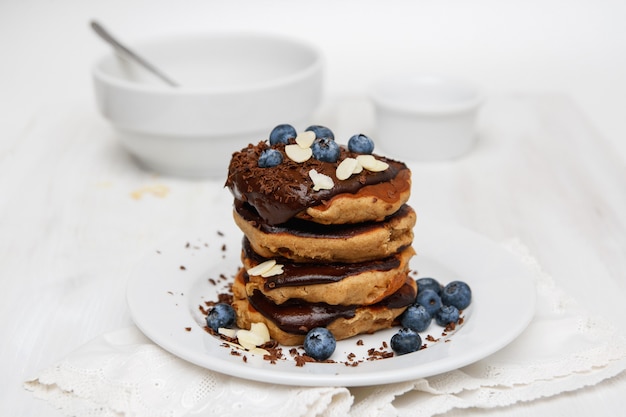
(425, 117)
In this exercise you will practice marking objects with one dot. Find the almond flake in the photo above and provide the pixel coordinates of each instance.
(372, 164)
(305, 139)
(321, 181)
(262, 267)
(259, 351)
(249, 339)
(346, 168)
(274, 270)
(262, 330)
(232, 333)
(297, 153)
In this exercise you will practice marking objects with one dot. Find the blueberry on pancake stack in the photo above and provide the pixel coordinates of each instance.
(327, 235)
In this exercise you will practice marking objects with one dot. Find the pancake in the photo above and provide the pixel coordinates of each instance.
(288, 323)
(285, 191)
(303, 241)
(361, 283)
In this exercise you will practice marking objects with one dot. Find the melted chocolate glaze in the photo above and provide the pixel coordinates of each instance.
(297, 274)
(279, 193)
(298, 317)
(303, 228)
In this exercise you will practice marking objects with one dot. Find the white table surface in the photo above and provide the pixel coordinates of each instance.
(77, 213)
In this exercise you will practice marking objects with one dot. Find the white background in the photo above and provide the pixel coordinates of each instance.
(547, 171)
(572, 46)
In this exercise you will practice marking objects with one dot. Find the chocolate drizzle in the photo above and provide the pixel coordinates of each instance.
(298, 274)
(281, 192)
(298, 317)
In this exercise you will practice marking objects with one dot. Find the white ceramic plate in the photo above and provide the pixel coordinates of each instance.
(170, 283)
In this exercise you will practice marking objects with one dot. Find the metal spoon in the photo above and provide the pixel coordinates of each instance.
(104, 34)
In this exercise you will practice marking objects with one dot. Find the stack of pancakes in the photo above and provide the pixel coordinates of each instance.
(342, 254)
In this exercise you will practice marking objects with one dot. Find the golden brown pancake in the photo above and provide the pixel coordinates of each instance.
(303, 241)
(288, 323)
(360, 283)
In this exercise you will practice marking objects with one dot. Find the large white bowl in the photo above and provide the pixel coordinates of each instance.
(234, 88)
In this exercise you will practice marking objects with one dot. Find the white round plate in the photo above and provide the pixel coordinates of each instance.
(169, 286)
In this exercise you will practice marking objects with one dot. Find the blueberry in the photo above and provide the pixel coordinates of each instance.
(319, 343)
(405, 341)
(447, 315)
(325, 150)
(270, 158)
(282, 134)
(361, 144)
(430, 300)
(221, 315)
(428, 283)
(416, 318)
(321, 132)
(458, 294)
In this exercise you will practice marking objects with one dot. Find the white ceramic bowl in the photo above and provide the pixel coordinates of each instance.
(234, 88)
(425, 118)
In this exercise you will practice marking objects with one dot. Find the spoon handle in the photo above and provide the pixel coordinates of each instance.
(107, 37)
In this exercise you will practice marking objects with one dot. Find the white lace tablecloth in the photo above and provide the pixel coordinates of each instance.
(122, 373)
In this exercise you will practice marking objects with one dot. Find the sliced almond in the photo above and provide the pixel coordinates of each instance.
(305, 139)
(372, 164)
(234, 345)
(358, 168)
(232, 333)
(297, 153)
(321, 181)
(249, 339)
(275, 270)
(262, 330)
(262, 268)
(259, 351)
(346, 168)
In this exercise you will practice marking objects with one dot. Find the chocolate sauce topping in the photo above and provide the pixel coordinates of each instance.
(279, 193)
(303, 228)
(295, 316)
(297, 274)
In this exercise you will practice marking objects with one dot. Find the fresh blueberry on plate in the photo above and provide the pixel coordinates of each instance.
(361, 144)
(430, 300)
(428, 283)
(319, 343)
(458, 294)
(447, 315)
(405, 341)
(282, 134)
(221, 315)
(416, 318)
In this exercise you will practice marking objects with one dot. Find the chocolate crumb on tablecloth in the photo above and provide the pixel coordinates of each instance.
(188, 329)
(182, 268)
(359, 342)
